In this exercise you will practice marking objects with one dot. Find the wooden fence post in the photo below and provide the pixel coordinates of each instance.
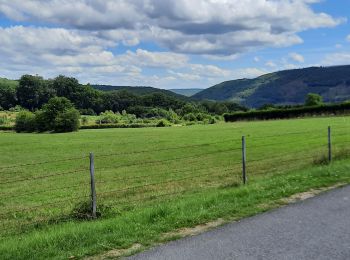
(244, 177)
(329, 145)
(92, 182)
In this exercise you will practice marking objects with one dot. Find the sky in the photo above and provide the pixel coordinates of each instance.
(170, 43)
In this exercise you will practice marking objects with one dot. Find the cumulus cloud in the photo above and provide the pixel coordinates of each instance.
(296, 57)
(339, 58)
(82, 35)
(198, 26)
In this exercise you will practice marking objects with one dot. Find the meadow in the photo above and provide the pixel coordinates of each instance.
(154, 180)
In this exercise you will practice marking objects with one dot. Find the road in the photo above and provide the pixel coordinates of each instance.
(316, 228)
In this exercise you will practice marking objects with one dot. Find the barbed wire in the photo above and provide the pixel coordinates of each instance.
(165, 174)
(16, 195)
(143, 163)
(102, 194)
(167, 149)
(44, 162)
(44, 176)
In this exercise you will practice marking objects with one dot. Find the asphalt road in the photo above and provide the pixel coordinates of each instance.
(317, 228)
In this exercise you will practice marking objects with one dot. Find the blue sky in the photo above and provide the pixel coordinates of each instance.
(168, 43)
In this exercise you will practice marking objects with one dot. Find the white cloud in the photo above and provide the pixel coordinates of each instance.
(338, 46)
(248, 73)
(219, 27)
(271, 64)
(340, 58)
(348, 38)
(297, 57)
(155, 59)
(82, 37)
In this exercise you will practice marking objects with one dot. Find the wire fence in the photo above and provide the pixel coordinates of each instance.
(124, 180)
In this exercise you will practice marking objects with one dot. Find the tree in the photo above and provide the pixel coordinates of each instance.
(313, 99)
(33, 92)
(58, 115)
(7, 96)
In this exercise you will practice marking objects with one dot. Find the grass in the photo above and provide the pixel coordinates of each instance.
(151, 180)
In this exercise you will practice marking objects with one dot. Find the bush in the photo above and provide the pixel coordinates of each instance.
(84, 120)
(58, 115)
(67, 121)
(190, 117)
(163, 123)
(25, 122)
(108, 117)
(41, 121)
(313, 99)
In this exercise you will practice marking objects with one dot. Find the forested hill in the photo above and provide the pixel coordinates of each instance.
(138, 90)
(284, 87)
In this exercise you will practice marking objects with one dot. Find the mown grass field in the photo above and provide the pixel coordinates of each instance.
(154, 180)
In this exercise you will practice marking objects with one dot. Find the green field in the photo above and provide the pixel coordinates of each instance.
(154, 180)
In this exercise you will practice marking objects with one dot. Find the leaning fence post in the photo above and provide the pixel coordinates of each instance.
(244, 177)
(329, 144)
(92, 182)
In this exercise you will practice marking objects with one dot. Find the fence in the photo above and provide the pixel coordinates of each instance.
(37, 193)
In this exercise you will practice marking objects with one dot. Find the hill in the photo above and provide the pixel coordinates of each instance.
(8, 82)
(284, 87)
(188, 92)
(139, 90)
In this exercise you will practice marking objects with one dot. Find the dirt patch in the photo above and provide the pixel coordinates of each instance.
(115, 253)
(309, 194)
(184, 232)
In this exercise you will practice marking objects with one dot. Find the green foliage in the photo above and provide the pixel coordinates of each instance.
(313, 99)
(163, 123)
(108, 117)
(58, 115)
(25, 122)
(281, 113)
(190, 117)
(67, 121)
(33, 92)
(8, 97)
(84, 120)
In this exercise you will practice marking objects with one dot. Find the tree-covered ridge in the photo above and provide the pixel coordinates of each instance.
(284, 87)
(138, 90)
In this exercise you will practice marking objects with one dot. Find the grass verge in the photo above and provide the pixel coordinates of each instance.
(146, 225)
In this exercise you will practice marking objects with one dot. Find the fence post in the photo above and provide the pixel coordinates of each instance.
(92, 182)
(244, 177)
(329, 144)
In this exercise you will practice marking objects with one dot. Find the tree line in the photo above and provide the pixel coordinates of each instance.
(32, 92)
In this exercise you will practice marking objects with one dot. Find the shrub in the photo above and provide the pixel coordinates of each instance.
(163, 123)
(190, 117)
(58, 115)
(84, 120)
(212, 120)
(108, 117)
(67, 121)
(25, 122)
(41, 121)
(313, 99)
